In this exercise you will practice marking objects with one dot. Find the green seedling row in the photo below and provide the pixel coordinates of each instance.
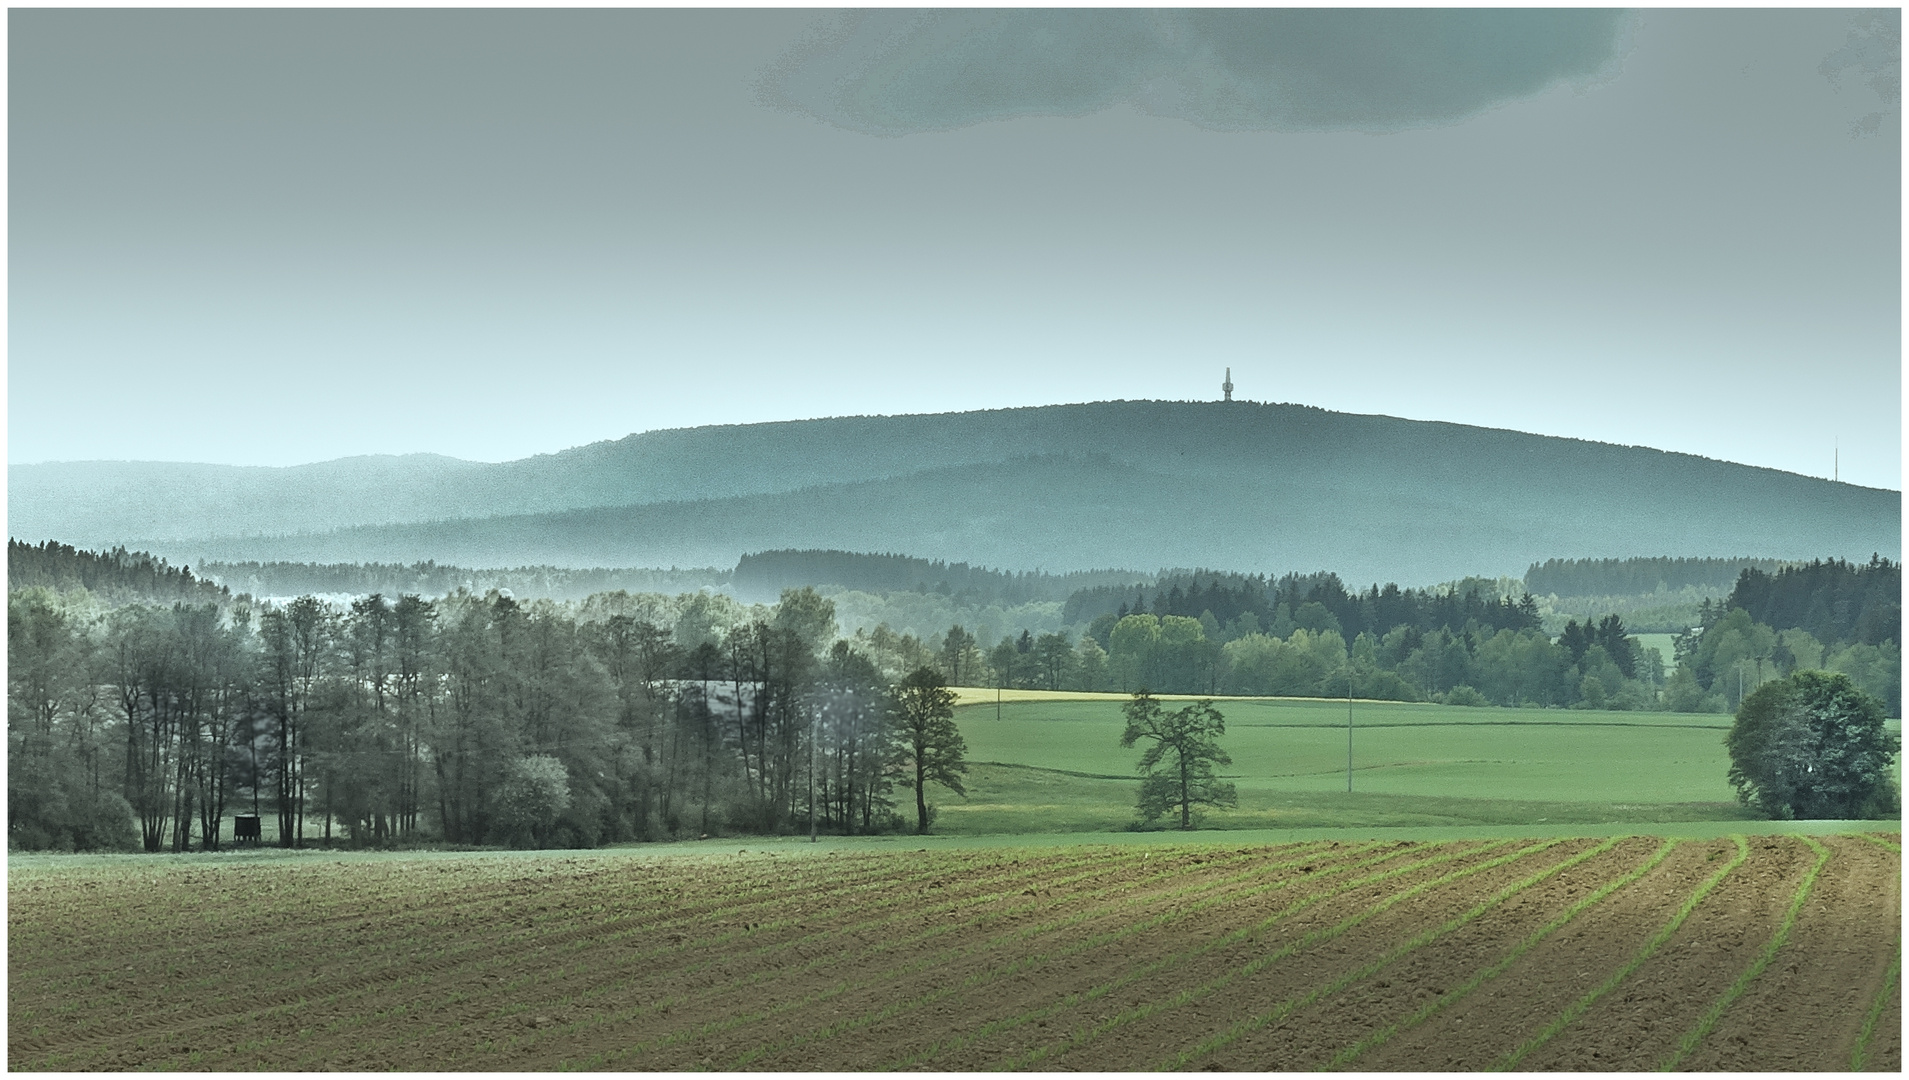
(1294, 1004)
(836, 990)
(448, 960)
(1083, 1037)
(996, 1027)
(760, 977)
(1461, 991)
(1215, 894)
(437, 962)
(1576, 1009)
(626, 985)
(1859, 1055)
(1709, 1019)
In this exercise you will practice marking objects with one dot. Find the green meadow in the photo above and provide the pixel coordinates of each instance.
(1663, 643)
(1058, 766)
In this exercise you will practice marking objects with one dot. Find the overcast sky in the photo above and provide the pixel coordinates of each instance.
(277, 237)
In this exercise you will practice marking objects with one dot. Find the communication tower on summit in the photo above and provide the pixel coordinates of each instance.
(1227, 386)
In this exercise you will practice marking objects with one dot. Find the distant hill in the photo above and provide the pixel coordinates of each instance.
(1069, 487)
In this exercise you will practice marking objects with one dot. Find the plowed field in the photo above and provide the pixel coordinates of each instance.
(1633, 953)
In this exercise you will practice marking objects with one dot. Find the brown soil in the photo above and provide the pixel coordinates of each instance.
(1639, 1024)
(1144, 1044)
(1806, 1009)
(1110, 958)
(1500, 1014)
(1885, 1046)
(1309, 1037)
(1082, 970)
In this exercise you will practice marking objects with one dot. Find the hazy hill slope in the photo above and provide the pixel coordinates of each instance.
(104, 503)
(1138, 484)
(99, 503)
(1063, 513)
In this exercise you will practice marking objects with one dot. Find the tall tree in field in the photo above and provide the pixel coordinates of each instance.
(1177, 770)
(931, 745)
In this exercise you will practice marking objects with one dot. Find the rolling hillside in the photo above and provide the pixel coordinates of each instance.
(1136, 484)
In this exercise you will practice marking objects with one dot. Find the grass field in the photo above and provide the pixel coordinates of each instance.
(1664, 644)
(1054, 761)
(1550, 953)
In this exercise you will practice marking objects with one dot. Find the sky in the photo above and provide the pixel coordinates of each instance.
(274, 237)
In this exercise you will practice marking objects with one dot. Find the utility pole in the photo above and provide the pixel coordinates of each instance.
(815, 726)
(1348, 729)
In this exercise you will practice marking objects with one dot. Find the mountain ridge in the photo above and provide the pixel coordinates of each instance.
(1264, 487)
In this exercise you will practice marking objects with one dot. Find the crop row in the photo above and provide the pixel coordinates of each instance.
(1330, 954)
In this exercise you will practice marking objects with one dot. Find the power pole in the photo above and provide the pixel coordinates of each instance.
(1348, 729)
(815, 727)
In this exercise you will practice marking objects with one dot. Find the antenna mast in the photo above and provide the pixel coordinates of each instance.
(1227, 386)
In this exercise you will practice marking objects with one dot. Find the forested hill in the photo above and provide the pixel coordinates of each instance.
(118, 576)
(1070, 487)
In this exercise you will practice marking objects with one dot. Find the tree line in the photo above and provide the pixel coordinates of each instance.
(469, 719)
(1836, 602)
(767, 573)
(1232, 598)
(431, 579)
(482, 719)
(1827, 616)
(1638, 576)
(116, 575)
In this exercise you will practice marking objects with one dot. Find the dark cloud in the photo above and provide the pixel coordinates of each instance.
(1872, 56)
(900, 72)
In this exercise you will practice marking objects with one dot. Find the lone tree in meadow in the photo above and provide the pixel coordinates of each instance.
(1177, 770)
(930, 743)
(1813, 746)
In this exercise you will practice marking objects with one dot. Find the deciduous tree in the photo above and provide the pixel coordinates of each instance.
(932, 747)
(1177, 770)
(1812, 746)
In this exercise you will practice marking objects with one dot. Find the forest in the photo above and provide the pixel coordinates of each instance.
(146, 706)
(474, 719)
(1632, 577)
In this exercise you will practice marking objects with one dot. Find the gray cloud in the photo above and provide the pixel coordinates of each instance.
(1873, 50)
(900, 72)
